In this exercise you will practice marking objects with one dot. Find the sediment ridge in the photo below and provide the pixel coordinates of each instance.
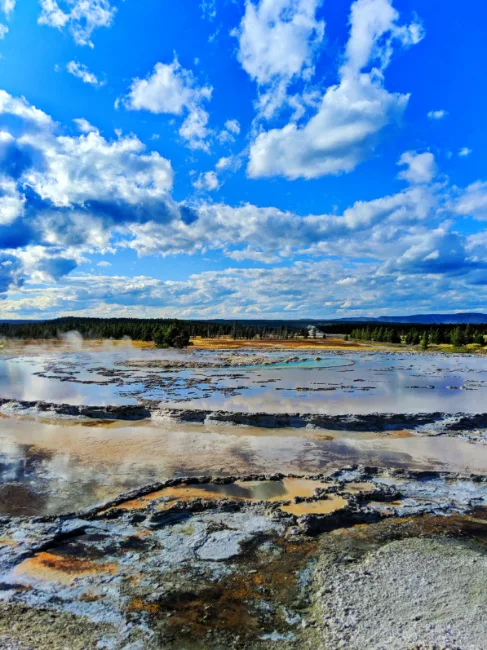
(435, 423)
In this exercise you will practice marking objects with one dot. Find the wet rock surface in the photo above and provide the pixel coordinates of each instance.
(41, 408)
(470, 425)
(161, 568)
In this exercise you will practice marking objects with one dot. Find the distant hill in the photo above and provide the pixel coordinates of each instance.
(464, 318)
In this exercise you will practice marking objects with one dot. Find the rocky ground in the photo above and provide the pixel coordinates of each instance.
(372, 559)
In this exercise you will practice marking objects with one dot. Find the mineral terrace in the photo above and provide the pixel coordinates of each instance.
(325, 561)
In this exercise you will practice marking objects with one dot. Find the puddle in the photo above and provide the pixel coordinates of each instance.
(288, 488)
(282, 490)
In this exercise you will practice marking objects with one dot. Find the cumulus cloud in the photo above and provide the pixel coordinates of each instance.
(437, 115)
(370, 229)
(229, 133)
(316, 288)
(228, 162)
(473, 201)
(344, 130)
(420, 167)
(208, 9)
(3, 31)
(7, 6)
(80, 71)
(66, 197)
(464, 152)
(277, 42)
(207, 181)
(81, 17)
(436, 252)
(173, 90)
(58, 190)
(20, 107)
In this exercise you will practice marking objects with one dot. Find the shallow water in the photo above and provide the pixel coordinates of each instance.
(50, 467)
(353, 382)
(64, 465)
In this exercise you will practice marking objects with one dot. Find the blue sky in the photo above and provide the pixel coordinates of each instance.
(266, 158)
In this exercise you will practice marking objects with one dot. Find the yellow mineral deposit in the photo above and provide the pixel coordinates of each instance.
(59, 568)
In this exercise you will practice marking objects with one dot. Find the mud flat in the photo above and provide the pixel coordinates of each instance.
(186, 564)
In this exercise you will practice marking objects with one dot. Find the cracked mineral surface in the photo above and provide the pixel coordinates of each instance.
(210, 571)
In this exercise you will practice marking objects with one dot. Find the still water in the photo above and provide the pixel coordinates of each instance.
(353, 382)
(57, 467)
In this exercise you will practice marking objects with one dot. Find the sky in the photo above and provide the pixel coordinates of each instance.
(242, 158)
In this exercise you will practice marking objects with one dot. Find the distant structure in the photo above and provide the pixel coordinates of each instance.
(314, 332)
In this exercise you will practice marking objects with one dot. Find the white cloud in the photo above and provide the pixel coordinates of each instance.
(21, 108)
(420, 167)
(104, 264)
(11, 200)
(64, 198)
(195, 130)
(82, 17)
(172, 89)
(207, 181)
(84, 126)
(232, 163)
(208, 9)
(62, 194)
(233, 126)
(317, 288)
(437, 115)
(464, 152)
(277, 42)
(375, 229)
(231, 130)
(80, 71)
(87, 168)
(3, 31)
(473, 201)
(213, 180)
(7, 6)
(344, 130)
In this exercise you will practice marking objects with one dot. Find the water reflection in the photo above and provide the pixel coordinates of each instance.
(51, 468)
(355, 382)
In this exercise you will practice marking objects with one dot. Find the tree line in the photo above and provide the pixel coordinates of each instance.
(458, 335)
(164, 332)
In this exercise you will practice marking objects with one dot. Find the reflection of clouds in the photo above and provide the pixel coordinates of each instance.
(12, 462)
(391, 392)
(73, 466)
